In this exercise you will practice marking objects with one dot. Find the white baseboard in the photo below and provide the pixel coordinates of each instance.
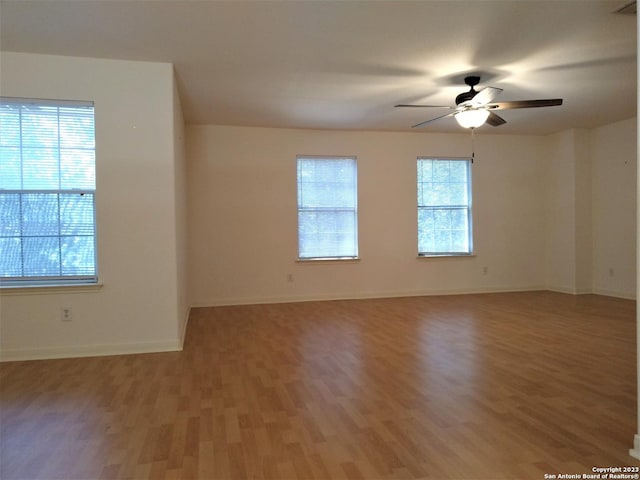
(229, 301)
(569, 290)
(596, 291)
(88, 351)
(612, 293)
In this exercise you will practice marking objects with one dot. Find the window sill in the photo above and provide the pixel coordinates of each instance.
(322, 261)
(448, 255)
(8, 290)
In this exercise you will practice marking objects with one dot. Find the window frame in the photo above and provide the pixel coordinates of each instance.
(354, 209)
(468, 208)
(12, 283)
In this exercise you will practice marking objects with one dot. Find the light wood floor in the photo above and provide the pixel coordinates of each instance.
(494, 386)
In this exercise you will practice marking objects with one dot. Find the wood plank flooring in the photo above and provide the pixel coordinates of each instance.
(492, 386)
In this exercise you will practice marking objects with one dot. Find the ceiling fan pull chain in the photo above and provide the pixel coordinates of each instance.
(473, 150)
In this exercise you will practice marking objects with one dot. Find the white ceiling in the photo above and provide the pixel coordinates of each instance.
(345, 64)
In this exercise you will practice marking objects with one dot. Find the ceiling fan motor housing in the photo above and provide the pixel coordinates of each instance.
(472, 81)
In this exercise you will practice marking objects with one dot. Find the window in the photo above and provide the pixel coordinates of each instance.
(327, 208)
(47, 192)
(444, 207)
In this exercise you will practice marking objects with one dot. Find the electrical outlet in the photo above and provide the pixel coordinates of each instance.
(612, 272)
(485, 270)
(290, 277)
(66, 315)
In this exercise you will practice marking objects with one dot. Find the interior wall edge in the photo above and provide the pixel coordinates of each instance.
(635, 451)
(185, 323)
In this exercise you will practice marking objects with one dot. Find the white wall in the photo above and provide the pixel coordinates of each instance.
(590, 203)
(567, 200)
(136, 204)
(242, 197)
(583, 211)
(551, 212)
(613, 151)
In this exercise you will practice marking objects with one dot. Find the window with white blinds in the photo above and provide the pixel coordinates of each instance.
(47, 192)
(444, 207)
(327, 208)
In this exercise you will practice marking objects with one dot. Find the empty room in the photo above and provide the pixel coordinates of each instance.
(318, 239)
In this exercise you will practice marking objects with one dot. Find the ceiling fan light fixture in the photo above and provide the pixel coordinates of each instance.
(472, 118)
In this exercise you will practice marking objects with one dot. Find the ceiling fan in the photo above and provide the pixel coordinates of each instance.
(474, 108)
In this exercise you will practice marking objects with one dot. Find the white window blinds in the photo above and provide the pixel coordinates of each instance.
(47, 190)
(444, 207)
(327, 208)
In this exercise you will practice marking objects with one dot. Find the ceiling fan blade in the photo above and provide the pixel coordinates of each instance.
(422, 106)
(485, 95)
(495, 120)
(432, 120)
(551, 102)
